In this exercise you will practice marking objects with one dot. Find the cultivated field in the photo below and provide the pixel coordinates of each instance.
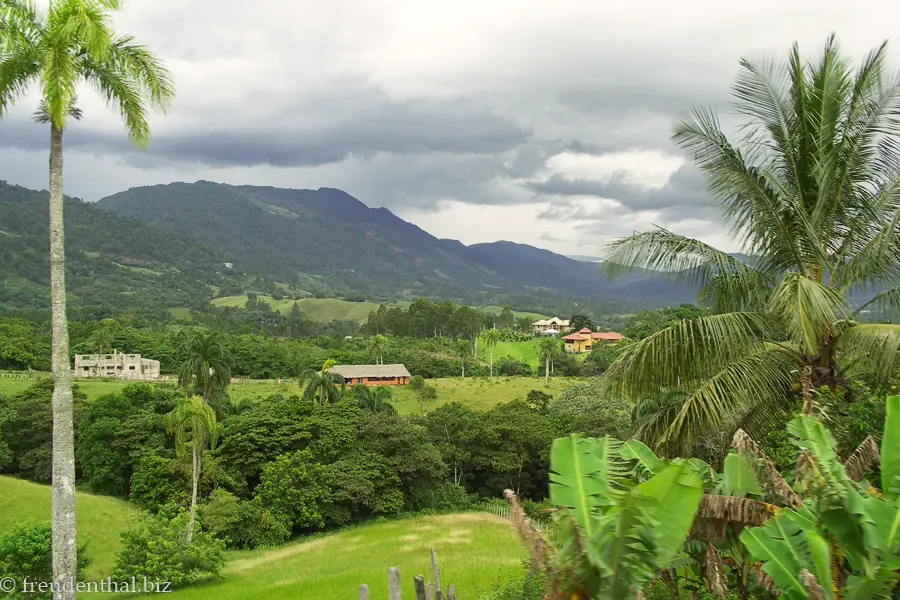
(475, 552)
(100, 519)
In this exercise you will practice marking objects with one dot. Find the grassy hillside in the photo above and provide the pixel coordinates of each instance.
(475, 551)
(496, 310)
(477, 392)
(321, 310)
(100, 519)
(522, 351)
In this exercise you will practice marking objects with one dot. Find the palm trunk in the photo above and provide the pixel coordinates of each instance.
(547, 372)
(463, 363)
(63, 493)
(492, 361)
(196, 480)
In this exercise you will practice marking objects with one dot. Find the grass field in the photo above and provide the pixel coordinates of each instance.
(478, 392)
(321, 310)
(522, 351)
(325, 310)
(475, 552)
(100, 519)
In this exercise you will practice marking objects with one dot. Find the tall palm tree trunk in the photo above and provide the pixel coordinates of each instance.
(547, 372)
(195, 475)
(63, 494)
(492, 361)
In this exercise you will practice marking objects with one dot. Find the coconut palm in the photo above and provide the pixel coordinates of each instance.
(71, 42)
(322, 386)
(463, 349)
(206, 365)
(102, 338)
(374, 398)
(193, 423)
(491, 339)
(548, 349)
(812, 192)
(377, 345)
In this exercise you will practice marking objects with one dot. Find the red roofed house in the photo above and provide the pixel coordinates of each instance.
(583, 341)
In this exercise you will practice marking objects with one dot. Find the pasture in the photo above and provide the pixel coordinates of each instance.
(476, 551)
(100, 519)
(480, 393)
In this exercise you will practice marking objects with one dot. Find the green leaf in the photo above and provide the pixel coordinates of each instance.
(581, 476)
(740, 480)
(671, 498)
(890, 449)
(777, 544)
(647, 463)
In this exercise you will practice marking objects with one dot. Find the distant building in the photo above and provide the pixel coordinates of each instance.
(228, 265)
(551, 326)
(372, 374)
(584, 340)
(123, 366)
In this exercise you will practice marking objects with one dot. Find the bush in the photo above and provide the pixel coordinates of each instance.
(531, 585)
(157, 482)
(511, 367)
(589, 409)
(219, 513)
(26, 554)
(156, 548)
(256, 527)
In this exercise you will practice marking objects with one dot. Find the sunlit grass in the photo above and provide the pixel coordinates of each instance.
(475, 552)
(100, 519)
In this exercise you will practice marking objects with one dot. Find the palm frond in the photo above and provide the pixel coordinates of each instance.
(767, 472)
(810, 310)
(873, 345)
(686, 353)
(728, 283)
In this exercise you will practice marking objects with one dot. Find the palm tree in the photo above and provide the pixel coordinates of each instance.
(812, 191)
(322, 386)
(193, 423)
(548, 349)
(463, 349)
(373, 398)
(102, 338)
(206, 366)
(72, 42)
(377, 345)
(491, 339)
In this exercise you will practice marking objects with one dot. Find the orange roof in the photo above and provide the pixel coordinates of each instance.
(607, 335)
(585, 330)
(575, 337)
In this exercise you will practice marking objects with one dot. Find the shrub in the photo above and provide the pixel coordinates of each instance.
(256, 527)
(26, 554)
(219, 513)
(156, 548)
(158, 481)
(589, 409)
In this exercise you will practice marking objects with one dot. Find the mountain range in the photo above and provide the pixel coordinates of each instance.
(330, 235)
(185, 243)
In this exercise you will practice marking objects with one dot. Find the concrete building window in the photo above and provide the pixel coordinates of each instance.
(131, 368)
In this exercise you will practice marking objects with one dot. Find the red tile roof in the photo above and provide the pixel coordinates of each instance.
(607, 335)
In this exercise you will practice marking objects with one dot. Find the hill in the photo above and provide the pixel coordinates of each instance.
(475, 551)
(326, 235)
(99, 519)
(111, 260)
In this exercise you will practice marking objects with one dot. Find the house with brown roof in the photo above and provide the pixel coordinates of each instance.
(372, 374)
(585, 339)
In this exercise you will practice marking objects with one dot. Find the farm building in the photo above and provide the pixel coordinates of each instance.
(372, 374)
(584, 340)
(554, 325)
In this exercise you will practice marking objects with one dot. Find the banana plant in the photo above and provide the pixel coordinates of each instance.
(844, 541)
(615, 533)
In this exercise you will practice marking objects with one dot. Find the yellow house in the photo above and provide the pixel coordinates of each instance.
(584, 340)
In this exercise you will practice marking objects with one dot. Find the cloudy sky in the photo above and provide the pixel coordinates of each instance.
(539, 122)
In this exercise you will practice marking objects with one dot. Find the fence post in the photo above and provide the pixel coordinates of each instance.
(451, 592)
(363, 592)
(419, 585)
(436, 576)
(429, 591)
(394, 584)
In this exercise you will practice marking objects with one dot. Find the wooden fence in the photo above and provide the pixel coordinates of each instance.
(424, 591)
